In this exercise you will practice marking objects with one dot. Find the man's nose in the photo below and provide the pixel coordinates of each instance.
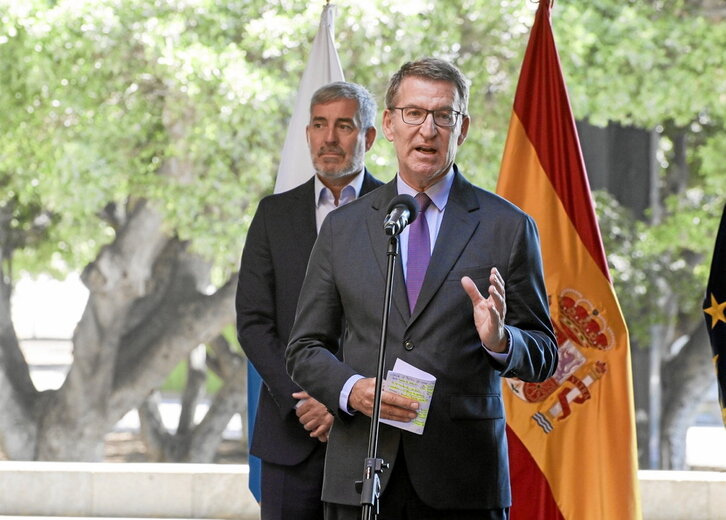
(331, 135)
(428, 128)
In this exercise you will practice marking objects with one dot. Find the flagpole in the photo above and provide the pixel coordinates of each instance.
(296, 167)
(323, 67)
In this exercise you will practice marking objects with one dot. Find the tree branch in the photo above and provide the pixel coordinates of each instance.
(193, 389)
(185, 325)
(684, 383)
(151, 427)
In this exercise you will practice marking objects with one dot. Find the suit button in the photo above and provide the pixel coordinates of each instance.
(408, 344)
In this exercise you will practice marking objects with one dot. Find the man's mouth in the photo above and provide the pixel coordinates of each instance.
(323, 153)
(425, 149)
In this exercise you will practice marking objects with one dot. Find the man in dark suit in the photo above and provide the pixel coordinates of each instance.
(291, 428)
(475, 242)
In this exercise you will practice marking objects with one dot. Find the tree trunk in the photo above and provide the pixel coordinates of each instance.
(640, 357)
(145, 312)
(148, 307)
(685, 387)
(17, 392)
(231, 367)
(73, 424)
(198, 442)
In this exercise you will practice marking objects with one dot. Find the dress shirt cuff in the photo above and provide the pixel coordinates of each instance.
(500, 357)
(345, 393)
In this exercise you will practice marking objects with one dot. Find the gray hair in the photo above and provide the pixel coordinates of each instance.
(365, 116)
(432, 69)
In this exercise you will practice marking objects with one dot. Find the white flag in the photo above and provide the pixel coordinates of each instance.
(296, 167)
(323, 67)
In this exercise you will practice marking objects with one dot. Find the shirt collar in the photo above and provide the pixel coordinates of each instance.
(322, 192)
(438, 193)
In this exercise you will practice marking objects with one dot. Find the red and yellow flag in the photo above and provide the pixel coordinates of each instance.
(572, 441)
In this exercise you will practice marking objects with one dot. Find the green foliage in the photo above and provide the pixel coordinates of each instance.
(485, 39)
(104, 101)
(654, 262)
(641, 63)
(186, 103)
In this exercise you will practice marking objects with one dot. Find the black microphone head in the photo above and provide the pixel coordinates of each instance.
(408, 202)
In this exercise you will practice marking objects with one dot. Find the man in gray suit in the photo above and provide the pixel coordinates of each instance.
(291, 428)
(474, 243)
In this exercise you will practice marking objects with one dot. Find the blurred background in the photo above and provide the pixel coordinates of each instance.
(138, 136)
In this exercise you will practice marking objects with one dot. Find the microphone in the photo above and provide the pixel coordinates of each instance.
(402, 210)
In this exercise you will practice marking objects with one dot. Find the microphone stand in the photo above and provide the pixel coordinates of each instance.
(370, 487)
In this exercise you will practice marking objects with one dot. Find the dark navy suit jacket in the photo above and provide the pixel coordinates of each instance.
(275, 255)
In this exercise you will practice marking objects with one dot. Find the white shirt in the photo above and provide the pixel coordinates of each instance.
(325, 201)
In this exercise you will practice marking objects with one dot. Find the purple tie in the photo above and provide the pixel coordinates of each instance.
(419, 251)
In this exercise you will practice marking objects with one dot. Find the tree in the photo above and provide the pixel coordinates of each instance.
(164, 122)
(656, 65)
(128, 128)
(138, 137)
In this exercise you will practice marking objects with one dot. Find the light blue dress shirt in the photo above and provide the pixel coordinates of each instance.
(325, 202)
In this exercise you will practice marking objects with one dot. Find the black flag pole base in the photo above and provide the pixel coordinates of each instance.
(370, 487)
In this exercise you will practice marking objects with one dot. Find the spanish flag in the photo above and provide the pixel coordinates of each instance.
(572, 442)
(714, 308)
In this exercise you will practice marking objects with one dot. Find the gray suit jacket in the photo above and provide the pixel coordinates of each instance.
(461, 459)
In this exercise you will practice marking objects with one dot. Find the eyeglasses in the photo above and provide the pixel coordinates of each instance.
(415, 115)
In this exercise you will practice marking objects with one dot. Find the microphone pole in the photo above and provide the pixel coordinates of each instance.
(404, 208)
(371, 485)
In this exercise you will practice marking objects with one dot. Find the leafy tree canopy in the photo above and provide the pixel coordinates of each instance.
(186, 102)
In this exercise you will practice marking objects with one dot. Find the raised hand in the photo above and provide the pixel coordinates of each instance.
(489, 312)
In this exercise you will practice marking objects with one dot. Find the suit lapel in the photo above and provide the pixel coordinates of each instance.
(303, 230)
(303, 224)
(370, 183)
(379, 244)
(461, 219)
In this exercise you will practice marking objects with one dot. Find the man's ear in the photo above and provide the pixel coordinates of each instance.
(387, 124)
(464, 130)
(370, 137)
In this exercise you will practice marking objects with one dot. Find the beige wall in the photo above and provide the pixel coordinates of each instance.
(220, 491)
